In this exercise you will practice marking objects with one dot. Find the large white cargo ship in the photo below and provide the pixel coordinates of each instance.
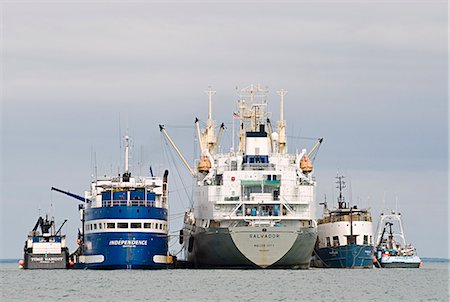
(252, 207)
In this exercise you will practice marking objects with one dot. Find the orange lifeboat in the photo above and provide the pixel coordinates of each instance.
(306, 165)
(204, 165)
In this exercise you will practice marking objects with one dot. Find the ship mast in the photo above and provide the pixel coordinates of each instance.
(282, 123)
(252, 105)
(340, 185)
(127, 150)
(126, 174)
(210, 137)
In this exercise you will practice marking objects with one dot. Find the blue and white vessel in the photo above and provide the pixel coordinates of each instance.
(124, 222)
(344, 236)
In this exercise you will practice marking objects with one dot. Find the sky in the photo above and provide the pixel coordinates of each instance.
(370, 77)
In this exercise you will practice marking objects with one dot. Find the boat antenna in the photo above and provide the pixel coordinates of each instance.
(324, 203)
(92, 161)
(52, 217)
(120, 139)
(95, 164)
(350, 193)
(127, 150)
(340, 185)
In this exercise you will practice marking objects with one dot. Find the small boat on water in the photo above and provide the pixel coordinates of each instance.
(46, 249)
(392, 251)
(344, 236)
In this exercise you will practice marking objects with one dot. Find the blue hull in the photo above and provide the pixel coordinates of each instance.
(124, 250)
(349, 256)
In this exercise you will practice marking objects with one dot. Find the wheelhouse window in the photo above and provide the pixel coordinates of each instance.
(122, 225)
(110, 225)
(328, 241)
(136, 225)
(365, 240)
(335, 240)
(147, 225)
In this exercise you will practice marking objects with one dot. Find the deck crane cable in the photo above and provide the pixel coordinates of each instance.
(171, 160)
(179, 126)
(172, 163)
(302, 137)
(177, 215)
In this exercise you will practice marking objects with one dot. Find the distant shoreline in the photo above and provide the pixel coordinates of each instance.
(425, 259)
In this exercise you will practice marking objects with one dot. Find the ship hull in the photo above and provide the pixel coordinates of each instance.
(348, 256)
(47, 261)
(124, 250)
(250, 247)
(400, 262)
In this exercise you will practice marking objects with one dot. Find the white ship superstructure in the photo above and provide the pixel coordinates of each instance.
(252, 207)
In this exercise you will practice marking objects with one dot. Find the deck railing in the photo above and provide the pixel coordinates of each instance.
(134, 203)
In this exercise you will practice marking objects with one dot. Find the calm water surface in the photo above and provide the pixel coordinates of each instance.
(430, 283)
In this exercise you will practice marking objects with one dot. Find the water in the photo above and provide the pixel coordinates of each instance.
(430, 283)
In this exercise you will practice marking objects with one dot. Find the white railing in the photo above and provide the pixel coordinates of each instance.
(134, 203)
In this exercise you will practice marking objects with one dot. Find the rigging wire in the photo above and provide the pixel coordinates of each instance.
(301, 137)
(178, 126)
(172, 162)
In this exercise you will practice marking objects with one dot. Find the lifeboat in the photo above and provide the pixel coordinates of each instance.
(306, 165)
(204, 165)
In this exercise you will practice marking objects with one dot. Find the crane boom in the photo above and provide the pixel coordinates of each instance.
(71, 195)
(319, 142)
(163, 130)
(219, 136)
(269, 128)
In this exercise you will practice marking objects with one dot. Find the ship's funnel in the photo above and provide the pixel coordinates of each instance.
(256, 143)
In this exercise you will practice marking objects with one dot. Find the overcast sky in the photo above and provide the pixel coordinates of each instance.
(369, 77)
